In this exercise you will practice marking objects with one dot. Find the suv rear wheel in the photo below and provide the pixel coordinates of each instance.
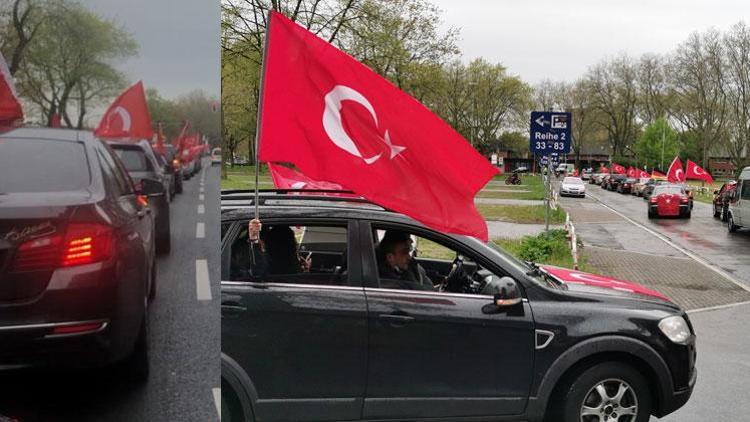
(730, 224)
(607, 392)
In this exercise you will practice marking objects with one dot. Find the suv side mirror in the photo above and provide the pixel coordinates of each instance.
(716, 192)
(150, 188)
(504, 291)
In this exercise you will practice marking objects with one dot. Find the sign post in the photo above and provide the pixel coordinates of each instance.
(549, 137)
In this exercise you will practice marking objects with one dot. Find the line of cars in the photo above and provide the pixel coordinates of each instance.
(664, 199)
(81, 223)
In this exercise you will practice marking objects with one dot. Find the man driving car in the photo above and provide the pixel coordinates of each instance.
(396, 265)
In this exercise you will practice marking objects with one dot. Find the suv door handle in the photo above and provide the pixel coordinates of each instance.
(396, 320)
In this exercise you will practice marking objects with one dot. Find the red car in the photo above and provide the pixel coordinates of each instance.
(669, 201)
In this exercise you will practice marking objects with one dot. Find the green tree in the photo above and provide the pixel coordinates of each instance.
(657, 145)
(66, 65)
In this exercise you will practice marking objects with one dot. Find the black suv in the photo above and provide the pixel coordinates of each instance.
(142, 165)
(77, 262)
(490, 338)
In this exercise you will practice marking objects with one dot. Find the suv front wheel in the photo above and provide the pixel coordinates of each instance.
(607, 392)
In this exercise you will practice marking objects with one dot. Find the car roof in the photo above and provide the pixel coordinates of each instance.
(50, 133)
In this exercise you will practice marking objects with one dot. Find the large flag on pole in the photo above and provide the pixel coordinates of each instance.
(694, 171)
(11, 113)
(676, 174)
(616, 168)
(127, 117)
(339, 121)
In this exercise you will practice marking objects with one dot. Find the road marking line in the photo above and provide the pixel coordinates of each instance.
(201, 209)
(202, 284)
(666, 240)
(200, 230)
(201, 197)
(201, 188)
(217, 400)
(718, 307)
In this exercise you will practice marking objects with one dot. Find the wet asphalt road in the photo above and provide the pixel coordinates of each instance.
(702, 235)
(184, 339)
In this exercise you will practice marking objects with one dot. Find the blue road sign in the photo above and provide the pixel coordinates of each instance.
(549, 132)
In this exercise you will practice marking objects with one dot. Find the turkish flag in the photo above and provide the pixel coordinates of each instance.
(603, 170)
(575, 172)
(643, 173)
(676, 174)
(657, 174)
(127, 117)
(694, 171)
(616, 168)
(286, 178)
(11, 113)
(631, 172)
(337, 120)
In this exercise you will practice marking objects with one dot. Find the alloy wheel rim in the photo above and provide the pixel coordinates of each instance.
(611, 400)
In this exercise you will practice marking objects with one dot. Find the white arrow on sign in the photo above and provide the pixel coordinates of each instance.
(540, 121)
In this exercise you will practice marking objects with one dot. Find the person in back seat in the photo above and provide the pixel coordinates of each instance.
(274, 250)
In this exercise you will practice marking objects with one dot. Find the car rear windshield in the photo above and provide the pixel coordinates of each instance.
(133, 157)
(669, 190)
(572, 181)
(42, 165)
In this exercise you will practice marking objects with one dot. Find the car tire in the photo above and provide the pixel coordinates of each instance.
(136, 367)
(687, 214)
(610, 379)
(724, 214)
(651, 214)
(717, 214)
(152, 288)
(730, 224)
(231, 409)
(178, 186)
(163, 238)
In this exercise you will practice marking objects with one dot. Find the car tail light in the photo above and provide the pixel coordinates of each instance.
(684, 199)
(176, 163)
(83, 244)
(40, 253)
(653, 199)
(80, 328)
(86, 243)
(142, 200)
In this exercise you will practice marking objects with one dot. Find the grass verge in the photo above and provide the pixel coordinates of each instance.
(546, 248)
(522, 214)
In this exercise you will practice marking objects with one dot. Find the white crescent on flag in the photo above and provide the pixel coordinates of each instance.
(335, 129)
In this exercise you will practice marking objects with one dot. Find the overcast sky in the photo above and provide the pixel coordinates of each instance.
(559, 40)
(178, 42)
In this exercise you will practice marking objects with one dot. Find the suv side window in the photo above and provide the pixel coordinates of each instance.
(413, 261)
(291, 253)
(746, 189)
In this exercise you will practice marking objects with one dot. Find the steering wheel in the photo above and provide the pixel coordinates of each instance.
(455, 277)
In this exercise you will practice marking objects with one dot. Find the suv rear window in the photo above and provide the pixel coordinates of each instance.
(39, 165)
(133, 158)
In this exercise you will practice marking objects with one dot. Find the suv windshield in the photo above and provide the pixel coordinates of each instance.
(38, 165)
(669, 190)
(133, 157)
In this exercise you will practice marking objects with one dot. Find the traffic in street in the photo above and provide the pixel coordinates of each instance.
(183, 323)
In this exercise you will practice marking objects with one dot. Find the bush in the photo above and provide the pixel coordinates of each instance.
(544, 246)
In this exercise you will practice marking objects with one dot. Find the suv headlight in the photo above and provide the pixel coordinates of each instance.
(675, 328)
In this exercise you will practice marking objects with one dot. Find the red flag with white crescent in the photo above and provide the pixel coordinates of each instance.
(676, 174)
(11, 113)
(337, 120)
(616, 168)
(657, 174)
(694, 171)
(286, 178)
(643, 174)
(127, 117)
(631, 171)
(603, 170)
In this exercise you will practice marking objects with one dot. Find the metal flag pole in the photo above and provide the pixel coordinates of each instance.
(258, 125)
(260, 110)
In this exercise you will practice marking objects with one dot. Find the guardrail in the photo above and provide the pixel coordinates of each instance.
(573, 240)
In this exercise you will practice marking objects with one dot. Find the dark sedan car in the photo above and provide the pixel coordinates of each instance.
(172, 167)
(613, 183)
(721, 199)
(373, 316)
(77, 259)
(142, 165)
(626, 186)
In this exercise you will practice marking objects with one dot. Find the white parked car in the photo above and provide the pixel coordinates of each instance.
(572, 186)
(216, 156)
(739, 204)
